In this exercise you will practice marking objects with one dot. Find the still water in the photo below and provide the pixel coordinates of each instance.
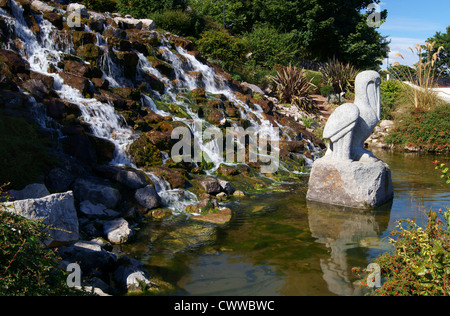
(281, 244)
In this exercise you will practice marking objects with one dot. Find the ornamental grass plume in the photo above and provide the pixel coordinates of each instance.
(422, 76)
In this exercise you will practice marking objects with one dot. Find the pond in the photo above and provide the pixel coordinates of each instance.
(279, 244)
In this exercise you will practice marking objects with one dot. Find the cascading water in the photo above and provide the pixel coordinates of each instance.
(46, 49)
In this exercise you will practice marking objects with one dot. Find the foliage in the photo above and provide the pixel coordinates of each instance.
(26, 268)
(144, 8)
(424, 129)
(101, 5)
(339, 75)
(423, 76)
(420, 263)
(222, 48)
(324, 28)
(443, 57)
(180, 22)
(444, 171)
(391, 95)
(23, 152)
(326, 90)
(316, 79)
(293, 87)
(269, 47)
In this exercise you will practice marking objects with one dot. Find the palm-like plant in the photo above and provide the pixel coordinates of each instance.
(292, 87)
(338, 75)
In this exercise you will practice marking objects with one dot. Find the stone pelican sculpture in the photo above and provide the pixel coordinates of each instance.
(352, 123)
(348, 174)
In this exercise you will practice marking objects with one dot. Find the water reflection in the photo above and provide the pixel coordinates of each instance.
(343, 229)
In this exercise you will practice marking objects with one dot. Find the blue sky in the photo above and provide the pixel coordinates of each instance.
(412, 22)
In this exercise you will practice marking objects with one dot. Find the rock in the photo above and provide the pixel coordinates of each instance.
(253, 88)
(238, 193)
(99, 211)
(31, 191)
(147, 197)
(386, 124)
(220, 217)
(54, 18)
(40, 6)
(37, 88)
(56, 210)
(96, 192)
(210, 185)
(59, 180)
(117, 231)
(161, 213)
(14, 61)
(359, 184)
(80, 83)
(129, 177)
(226, 187)
(77, 8)
(92, 258)
(130, 275)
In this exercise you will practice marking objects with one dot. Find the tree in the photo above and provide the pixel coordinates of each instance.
(443, 60)
(325, 28)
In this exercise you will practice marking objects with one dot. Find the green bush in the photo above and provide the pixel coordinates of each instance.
(391, 97)
(144, 8)
(269, 47)
(101, 5)
(420, 263)
(325, 90)
(222, 48)
(427, 130)
(180, 22)
(26, 268)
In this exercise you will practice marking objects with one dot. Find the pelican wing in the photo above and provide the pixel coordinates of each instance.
(341, 121)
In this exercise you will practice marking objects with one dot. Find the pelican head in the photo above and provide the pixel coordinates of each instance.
(367, 91)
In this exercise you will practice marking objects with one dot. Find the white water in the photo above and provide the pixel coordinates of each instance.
(47, 49)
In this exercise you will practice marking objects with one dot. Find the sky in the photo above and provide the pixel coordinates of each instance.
(412, 22)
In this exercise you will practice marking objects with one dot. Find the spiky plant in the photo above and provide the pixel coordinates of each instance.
(421, 75)
(292, 87)
(339, 75)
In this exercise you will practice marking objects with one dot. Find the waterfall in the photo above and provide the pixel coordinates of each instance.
(47, 49)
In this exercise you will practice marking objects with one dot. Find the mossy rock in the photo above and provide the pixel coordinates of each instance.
(163, 67)
(144, 152)
(127, 93)
(90, 52)
(81, 38)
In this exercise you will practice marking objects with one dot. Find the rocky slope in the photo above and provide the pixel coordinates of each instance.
(107, 92)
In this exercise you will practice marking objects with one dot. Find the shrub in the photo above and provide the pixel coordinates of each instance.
(391, 95)
(426, 130)
(101, 5)
(26, 268)
(144, 8)
(292, 87)
(180, 22)
(269, 47)
(326, 90)
(339, 75)
(420, 263)
(222, 48)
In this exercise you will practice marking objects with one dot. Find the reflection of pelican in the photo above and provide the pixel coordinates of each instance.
(349, 234)
(352, 123)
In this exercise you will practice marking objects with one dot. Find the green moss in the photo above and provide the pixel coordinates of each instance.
(24, 153)
(144, 153)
